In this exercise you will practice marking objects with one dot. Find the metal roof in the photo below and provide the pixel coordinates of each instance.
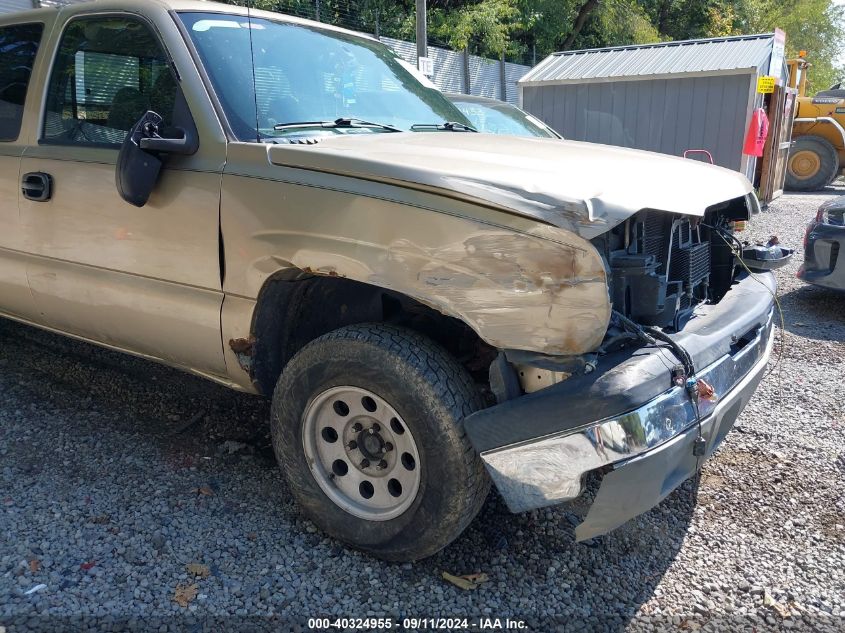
(705, 56)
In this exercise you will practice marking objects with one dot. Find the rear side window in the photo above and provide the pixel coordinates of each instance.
(18, 47)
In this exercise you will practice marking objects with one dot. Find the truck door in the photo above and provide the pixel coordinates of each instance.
(19, 44)
(147, 279)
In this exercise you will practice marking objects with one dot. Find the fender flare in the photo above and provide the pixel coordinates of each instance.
(823, 119)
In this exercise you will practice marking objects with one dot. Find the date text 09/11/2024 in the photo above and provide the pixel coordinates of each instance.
(416, 624)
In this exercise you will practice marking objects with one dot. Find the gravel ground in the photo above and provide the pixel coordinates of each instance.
(117, 474)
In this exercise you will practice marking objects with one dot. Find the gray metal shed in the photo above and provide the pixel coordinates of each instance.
(667, 97)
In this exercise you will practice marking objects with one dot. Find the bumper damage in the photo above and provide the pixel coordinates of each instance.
(627, 419)
(637, 485)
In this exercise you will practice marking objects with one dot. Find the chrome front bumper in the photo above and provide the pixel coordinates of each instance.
(649, 449)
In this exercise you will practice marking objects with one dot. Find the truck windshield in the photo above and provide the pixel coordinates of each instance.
(502, 118)
(308, 74)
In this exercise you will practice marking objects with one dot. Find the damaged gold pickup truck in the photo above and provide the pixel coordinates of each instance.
(283, 207)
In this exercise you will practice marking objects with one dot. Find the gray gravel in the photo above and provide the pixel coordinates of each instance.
(117, 473)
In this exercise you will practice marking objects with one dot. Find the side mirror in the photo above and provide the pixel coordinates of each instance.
(139, 163)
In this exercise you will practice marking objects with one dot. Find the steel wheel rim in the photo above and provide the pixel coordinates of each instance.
(804, 164)
(361, 453)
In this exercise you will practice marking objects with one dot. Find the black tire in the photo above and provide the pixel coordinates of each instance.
(827, 158)
(432, 393)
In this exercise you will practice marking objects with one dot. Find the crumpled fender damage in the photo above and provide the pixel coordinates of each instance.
(531, 287)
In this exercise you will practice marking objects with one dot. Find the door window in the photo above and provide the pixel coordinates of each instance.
(108, 72)
(18, 47)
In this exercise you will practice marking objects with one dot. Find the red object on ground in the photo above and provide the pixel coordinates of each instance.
(758, 131)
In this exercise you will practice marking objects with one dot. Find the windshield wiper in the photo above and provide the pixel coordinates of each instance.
(448, 126)
(343, 122)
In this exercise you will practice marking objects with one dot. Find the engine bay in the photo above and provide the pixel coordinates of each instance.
(663, 265)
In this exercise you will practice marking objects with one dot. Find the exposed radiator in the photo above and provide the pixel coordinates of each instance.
(664, 272)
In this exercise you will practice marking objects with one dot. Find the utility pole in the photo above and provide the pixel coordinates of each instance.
(503, 78)
(465, 83)
(422, 30)
(317, 10)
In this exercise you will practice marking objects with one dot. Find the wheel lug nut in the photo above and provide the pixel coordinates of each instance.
(365, 463)
(382, 464)
(357, 427)
(376, 427)
(388, 447)
(352, 445)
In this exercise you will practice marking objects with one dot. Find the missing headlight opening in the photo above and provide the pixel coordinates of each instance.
(663, 265)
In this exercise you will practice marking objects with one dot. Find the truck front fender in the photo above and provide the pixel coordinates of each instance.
(531, 287)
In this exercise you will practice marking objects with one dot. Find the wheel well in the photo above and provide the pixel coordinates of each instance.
(292, 312)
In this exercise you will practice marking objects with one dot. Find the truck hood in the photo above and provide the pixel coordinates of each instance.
(582, 187)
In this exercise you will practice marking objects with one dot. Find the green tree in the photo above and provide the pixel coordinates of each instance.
(544, 25)
(618, 23)
(815, 26)
(483, 27)
(692, 19)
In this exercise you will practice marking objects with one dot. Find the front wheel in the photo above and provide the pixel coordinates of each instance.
(812, 165)
(366, 425)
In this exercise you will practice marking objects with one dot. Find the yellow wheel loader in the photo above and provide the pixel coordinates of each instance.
(817, 155)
